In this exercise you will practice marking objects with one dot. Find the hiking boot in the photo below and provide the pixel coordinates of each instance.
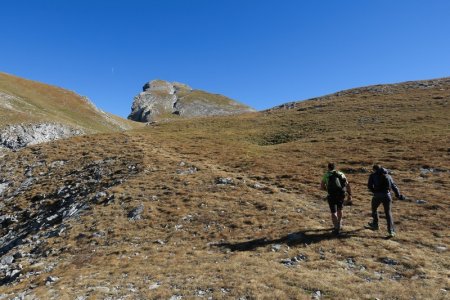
(336, 231)
(372, 226)
(391, 234)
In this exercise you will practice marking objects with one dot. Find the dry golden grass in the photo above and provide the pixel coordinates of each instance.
(200, 239)
(32, 101)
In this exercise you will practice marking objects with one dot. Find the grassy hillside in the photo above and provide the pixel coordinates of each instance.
(232, 206)
(29, 101)
(188, 97)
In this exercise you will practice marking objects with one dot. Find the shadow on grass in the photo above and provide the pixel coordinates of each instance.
(292, 239)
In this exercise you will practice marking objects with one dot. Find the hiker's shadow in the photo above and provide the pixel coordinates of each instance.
(292, 239)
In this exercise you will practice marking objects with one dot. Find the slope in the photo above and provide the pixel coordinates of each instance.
(26, 101)
(230, 207)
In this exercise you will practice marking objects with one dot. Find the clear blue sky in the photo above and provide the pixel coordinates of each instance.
(262, 53)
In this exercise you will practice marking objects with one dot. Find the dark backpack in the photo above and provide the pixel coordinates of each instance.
(336, 184)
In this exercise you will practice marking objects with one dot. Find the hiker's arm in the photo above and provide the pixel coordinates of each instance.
(349, 193)
(370, 183)
(395, 188)
(349, 189)
(323, 186)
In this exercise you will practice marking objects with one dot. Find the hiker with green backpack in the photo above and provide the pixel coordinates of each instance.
(336, 184)
(380, 183)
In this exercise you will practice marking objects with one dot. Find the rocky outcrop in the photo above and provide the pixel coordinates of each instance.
(163, 100)
(81, 185)
(17, 136)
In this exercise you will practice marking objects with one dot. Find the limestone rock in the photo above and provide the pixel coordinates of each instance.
(17, 136)
(135, 213)
(165, 100)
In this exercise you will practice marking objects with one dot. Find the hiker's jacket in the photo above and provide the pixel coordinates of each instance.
(376, 187)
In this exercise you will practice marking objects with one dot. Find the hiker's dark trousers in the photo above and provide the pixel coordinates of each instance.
(386, 200)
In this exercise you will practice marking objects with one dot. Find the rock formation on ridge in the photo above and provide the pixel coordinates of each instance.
(164, 100)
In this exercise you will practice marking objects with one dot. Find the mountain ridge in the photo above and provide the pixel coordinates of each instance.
(28, 109)
(377, 89)
(162, 100)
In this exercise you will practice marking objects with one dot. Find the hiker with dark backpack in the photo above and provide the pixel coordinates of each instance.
(336, 184)
(380, 183)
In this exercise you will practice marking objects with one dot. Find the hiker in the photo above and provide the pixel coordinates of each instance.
(380, 183)
(336, 184)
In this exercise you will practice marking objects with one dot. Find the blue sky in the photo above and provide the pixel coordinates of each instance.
(262, 53)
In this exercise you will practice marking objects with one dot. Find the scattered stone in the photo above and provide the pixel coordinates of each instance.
(202, 293)
(3, 187)
(226, 180)
(427, 170)
(289, 262)
(317, 295)
(276, 247)
(98, 197)
(7, 260)
(99, 234)
(154, 286)
(58, 163)
(441, 248)
(378, 275)
(132, 288)
(257, 186)
(176, 297)
(321, 253)
(52, 217)
(26, 184)
(351, 262)
(188, 171)
(135, 213)
(389, 261)
(50, 268)
(51, 279)
(10, 275)
(421, 201)
(187, 218)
